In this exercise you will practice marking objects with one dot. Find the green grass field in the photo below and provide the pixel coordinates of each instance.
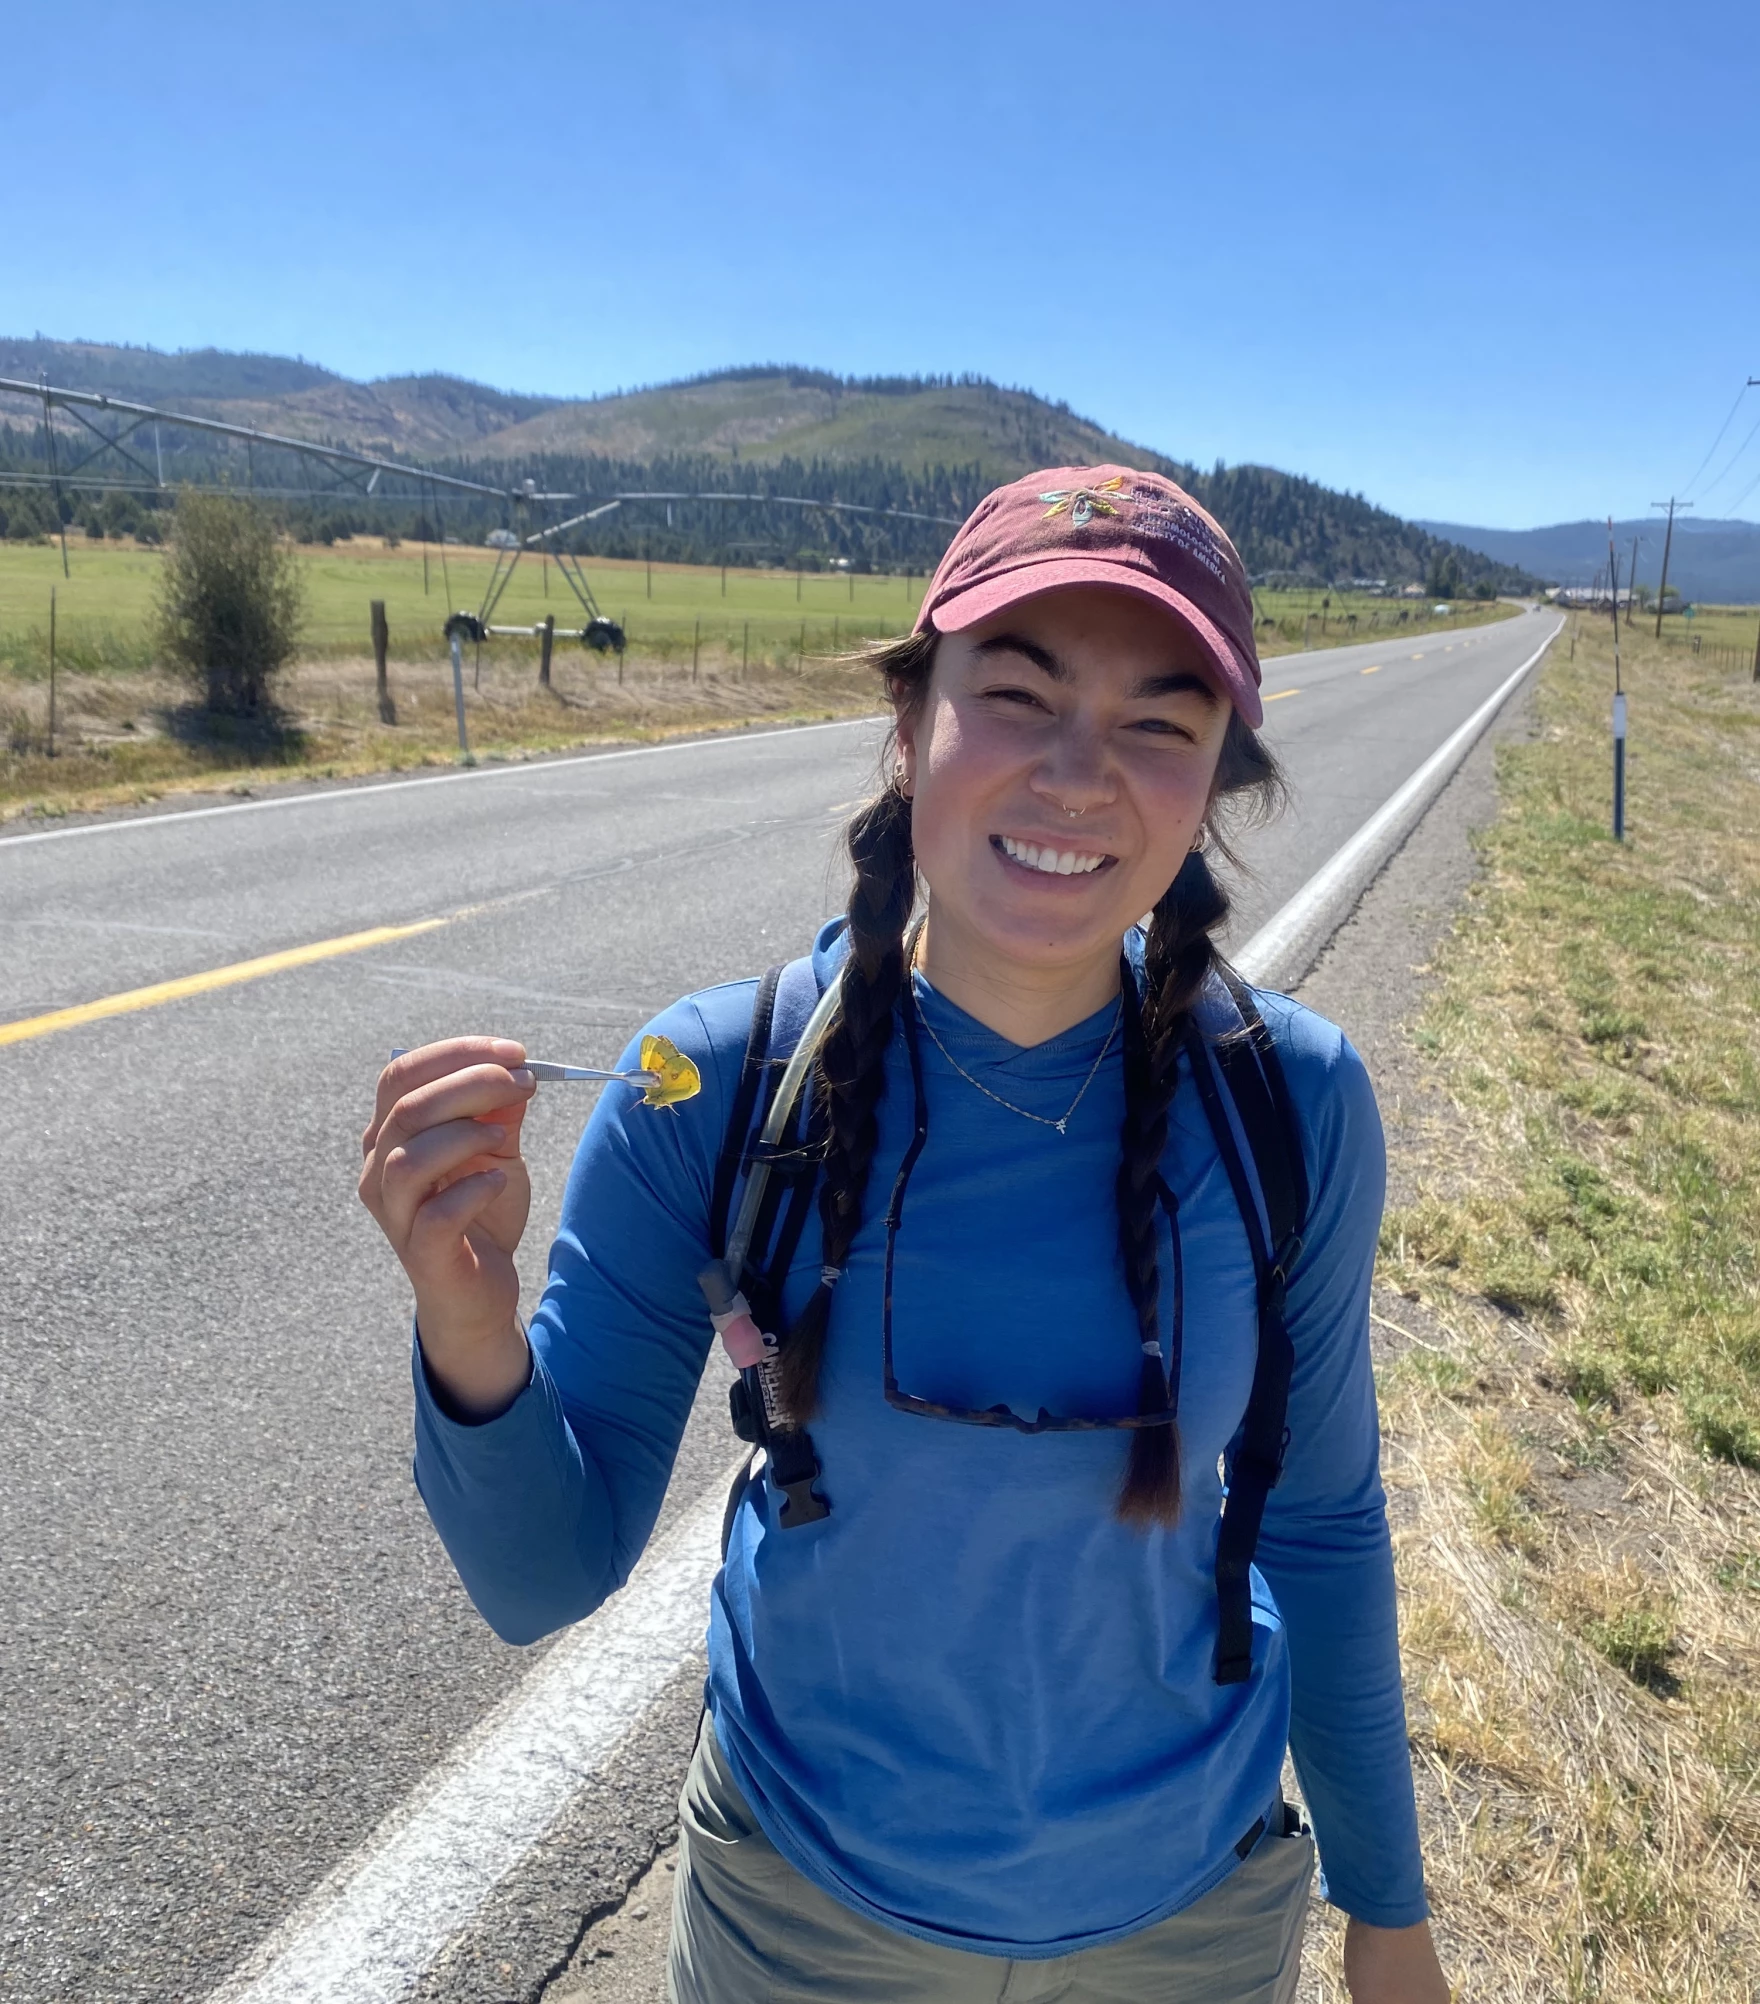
(670, 611)
(104, 610)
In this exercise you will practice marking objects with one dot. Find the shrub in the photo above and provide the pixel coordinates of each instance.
(230, 601)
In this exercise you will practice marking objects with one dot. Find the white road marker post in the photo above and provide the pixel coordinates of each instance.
(1619, 699)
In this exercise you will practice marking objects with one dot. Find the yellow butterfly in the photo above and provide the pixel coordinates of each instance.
(675, 1077)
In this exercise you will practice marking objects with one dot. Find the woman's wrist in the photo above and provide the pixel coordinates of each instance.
(1392, 1965)
(478, 1382)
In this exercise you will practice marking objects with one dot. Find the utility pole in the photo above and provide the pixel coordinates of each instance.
(1667, 544)
(1632, 585)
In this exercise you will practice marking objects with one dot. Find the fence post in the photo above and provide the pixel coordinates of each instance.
(464, 743)
(696, 647)
(546, 641)
(1757, 657)
(52, 670)
(745, 655)
(625, 624)
(801, 653)
(381, 679)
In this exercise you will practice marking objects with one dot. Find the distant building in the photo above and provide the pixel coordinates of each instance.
(501, 539)
(1579, 595)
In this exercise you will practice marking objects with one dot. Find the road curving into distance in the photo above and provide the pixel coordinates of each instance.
(242, 1693)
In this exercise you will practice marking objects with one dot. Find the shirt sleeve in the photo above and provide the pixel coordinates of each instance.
(1324, 1549)
(545, 1508)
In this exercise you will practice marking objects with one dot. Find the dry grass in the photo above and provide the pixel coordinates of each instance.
(125, 739)
(1574, 1417)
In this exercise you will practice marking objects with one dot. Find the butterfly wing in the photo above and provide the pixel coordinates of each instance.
(676, 1077)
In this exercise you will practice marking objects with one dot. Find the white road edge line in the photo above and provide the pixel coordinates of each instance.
(387, 1913)
(514, 769)
(1287, 945)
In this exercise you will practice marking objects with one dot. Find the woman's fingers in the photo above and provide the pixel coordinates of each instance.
(410, 1171)
(443, 1177)
(435, 1063)
(437, 1238)
(477, 1091)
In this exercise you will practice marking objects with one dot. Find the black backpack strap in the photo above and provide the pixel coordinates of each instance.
(1247, 1066)
(1268, 1117)
(785, 1001)
(739, 1120)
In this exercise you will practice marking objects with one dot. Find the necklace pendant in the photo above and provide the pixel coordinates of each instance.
(1062, 1125)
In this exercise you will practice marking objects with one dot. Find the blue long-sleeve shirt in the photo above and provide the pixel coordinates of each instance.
(970, 1702)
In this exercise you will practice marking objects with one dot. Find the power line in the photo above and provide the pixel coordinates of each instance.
(1730, 464)
(1743, 495)
(1718, 440)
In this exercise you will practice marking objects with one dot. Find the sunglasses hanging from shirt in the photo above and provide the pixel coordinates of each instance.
(777, 1154)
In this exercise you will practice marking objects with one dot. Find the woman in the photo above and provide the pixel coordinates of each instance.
(967, 1734)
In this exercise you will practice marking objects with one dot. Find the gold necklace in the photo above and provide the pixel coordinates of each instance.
(1025, 1113)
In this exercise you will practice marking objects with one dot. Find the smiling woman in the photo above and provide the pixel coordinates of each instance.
(1006, 1651)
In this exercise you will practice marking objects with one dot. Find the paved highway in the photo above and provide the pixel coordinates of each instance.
(231, 1643)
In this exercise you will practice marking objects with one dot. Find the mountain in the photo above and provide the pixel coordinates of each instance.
(930, 445)
(412, 415)
(147, 375)
(1715, 562)
(774, 413)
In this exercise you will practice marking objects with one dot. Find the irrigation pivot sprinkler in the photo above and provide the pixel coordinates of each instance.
(108, 464)
(1619, 696)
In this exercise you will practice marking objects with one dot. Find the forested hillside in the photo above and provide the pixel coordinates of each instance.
(908, 446)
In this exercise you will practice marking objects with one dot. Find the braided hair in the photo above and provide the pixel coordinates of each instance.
(851, 1064)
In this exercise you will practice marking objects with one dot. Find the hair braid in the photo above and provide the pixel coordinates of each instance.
(1178, 957)
(852, 1065)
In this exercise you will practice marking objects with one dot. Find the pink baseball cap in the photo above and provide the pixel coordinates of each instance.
(1111, 526)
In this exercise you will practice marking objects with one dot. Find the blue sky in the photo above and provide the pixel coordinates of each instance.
(1494, 264)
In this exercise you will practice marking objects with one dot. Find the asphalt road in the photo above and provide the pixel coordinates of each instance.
(229, 1643)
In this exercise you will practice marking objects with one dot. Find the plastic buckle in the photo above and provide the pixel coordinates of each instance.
(801, 1504)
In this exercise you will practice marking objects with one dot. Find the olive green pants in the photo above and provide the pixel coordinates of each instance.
(747, 1928)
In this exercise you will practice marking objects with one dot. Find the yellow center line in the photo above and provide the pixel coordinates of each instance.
(1281, 693)
(1375, 670)
(216, 977)
(1417, 657)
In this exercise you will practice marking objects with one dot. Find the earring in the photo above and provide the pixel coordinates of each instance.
(899, 785)
(1201, 841)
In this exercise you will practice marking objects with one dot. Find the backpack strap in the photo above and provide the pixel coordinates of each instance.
(786, 1143)
(1248, 1068)
(739, 1120)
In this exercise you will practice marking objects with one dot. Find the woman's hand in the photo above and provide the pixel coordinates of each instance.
(1392, 1965)
(446, 1182)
